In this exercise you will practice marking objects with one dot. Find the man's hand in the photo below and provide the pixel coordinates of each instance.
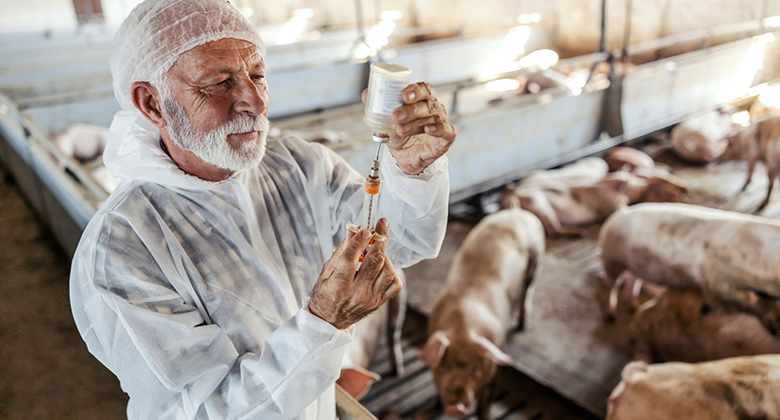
(343, 294)
(423, 134)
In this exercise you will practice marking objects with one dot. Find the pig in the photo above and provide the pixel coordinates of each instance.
(733, 258)
(82, 141)
(662, 187)
(627, 158)
(561, 207)
(486, 288)
(730, 389)
(681, 327)
(702, 139)
(759, 142)
(586, 170)
(355, 377)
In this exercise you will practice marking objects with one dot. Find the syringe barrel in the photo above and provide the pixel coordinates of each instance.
(370, 204)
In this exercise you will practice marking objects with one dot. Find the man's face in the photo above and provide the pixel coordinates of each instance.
(216, 103)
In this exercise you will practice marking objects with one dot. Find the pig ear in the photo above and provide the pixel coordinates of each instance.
(357, 381)
(434, 349)
(492, 351)
(634, 372)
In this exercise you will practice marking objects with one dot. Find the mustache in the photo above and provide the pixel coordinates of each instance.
(237, 125)
(244, 124)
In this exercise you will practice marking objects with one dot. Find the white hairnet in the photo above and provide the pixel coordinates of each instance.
(157, 32)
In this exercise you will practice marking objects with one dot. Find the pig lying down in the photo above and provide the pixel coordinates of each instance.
(733, 258)
(681, 327)
(740, 388)
(583, 171)
(486, 289)
(563, 205)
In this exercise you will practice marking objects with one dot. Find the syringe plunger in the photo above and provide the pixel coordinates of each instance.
(370, 203)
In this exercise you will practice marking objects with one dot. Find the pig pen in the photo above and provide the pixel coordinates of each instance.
(567, 344)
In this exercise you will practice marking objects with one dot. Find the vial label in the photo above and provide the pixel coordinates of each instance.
(388, 96)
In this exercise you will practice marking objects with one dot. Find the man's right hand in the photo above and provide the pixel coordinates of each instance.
(343, 294)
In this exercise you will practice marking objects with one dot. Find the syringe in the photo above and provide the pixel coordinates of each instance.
(371, 198)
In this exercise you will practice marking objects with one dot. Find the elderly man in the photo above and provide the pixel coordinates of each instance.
(217, 281)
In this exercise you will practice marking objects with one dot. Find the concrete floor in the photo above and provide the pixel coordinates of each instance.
(46, 371)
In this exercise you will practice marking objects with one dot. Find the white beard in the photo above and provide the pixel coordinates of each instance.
(212, 147)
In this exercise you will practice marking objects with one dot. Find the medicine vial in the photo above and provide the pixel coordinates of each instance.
(386, 82)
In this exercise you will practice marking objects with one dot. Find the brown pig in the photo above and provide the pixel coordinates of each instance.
(485, 289)
(730, 389)
(759, 142)
(561, 207)
(733, 258)
(355, 377)
(662, 187)
(681, 327)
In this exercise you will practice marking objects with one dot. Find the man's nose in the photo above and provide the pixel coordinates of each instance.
(250, 98)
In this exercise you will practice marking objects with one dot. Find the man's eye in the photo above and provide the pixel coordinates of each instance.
(223, 83)
(258, 77)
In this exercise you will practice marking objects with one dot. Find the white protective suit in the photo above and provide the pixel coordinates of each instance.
(194, 293)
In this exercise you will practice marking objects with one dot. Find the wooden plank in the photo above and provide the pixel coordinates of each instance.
(349, 408)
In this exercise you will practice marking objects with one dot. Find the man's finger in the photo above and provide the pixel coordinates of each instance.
(433, 126)
(356, 245)
(417, 110)
(382, 228)
(372, 265)
(442, 130)
(349, 235)
(418, 92)
(364, 95)
(387, 283)
(395, 286)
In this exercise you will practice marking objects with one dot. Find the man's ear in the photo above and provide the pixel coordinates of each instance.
(146, 99)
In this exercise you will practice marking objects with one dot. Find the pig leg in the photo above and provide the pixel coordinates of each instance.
(624, 279)
(530, 272)
(636, 292)
(395, 322)
(613, 276)
(751, 168)
(768, 193)
(772, 169)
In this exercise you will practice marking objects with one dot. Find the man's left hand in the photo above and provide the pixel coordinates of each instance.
(423, 133)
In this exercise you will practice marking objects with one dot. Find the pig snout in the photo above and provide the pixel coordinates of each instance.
(456, 411)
